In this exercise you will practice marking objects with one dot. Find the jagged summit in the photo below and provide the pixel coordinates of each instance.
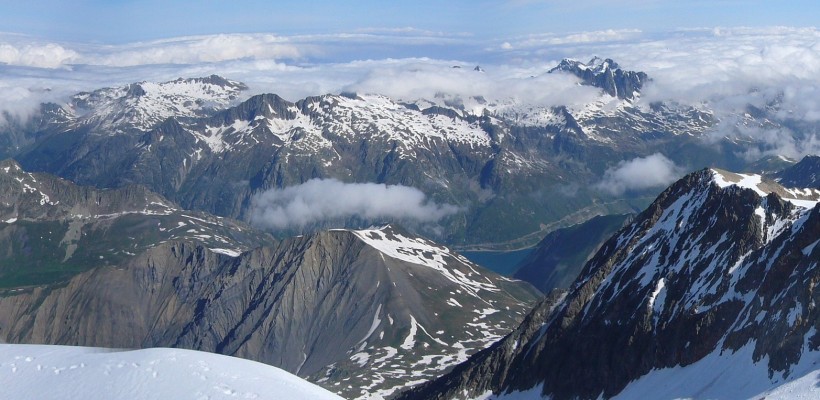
(605, 74)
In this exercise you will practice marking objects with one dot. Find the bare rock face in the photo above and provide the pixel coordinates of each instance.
(358, 312)
(607, 75)
(719, 261)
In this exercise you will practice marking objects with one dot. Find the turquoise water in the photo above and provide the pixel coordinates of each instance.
(501, 262)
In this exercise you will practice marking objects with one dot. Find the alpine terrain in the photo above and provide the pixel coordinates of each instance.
(130, 219)
(51, 229)
(708, 293)
(514, 170)
(361, 312)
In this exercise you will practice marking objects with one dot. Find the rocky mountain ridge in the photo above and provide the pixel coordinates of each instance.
(359, 312)
(143, 105)
(804, 174)
(607, 75)
(720, 263)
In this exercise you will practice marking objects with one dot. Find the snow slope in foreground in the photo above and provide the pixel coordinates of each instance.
(727, 376)
(65, 372)
(730, 376)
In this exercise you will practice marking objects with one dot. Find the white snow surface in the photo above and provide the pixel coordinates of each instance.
(426, 253)
(333, 115)
(805, 198)
(747, 181)
(727, 376)
(227, 252)
(115, 108)
(64, 372)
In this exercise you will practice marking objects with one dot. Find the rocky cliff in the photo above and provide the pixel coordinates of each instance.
(720, 264)
(360, 312)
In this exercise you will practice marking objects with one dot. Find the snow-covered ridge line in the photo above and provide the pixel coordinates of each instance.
(802, 197)
(144, 104)
(345, 116)
(426, 253)
(54, 372)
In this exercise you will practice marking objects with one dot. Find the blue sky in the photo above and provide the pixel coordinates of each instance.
(122, 21)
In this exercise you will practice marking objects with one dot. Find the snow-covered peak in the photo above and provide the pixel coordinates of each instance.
(596, 65)
(600, 65)
(65, 372)
(415, 250)
(806, 198)
(143, 105)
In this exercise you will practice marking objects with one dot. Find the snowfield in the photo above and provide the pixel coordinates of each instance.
(719, 377)
(65, 372)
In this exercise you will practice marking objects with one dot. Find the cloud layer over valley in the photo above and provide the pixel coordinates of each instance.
(639, 174)
(319, 200)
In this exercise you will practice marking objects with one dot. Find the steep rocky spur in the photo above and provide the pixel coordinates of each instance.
(720, 264)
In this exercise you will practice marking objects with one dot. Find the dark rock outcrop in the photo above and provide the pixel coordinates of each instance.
(605, 74)
(804, 174)
(710, 267)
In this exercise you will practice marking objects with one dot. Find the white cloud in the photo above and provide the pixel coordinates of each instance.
(198, 49)
(638, 174)
(426, 79)
(18, 101)
(48, 55)
(24, 51)
(552, 39)
(323, 200)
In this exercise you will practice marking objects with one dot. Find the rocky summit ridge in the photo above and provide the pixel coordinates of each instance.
(607, 75)
(719, 265)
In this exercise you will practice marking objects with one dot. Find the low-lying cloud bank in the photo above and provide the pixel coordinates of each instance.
(320, 200)
(640, 173)
(718, 66)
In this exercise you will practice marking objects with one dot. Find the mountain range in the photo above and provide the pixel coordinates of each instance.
(515, 171)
